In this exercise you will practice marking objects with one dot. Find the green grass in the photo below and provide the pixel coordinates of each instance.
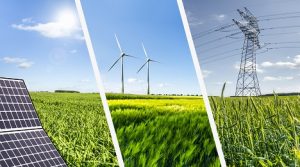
(259, 131)
(163, 131)
(77, 126)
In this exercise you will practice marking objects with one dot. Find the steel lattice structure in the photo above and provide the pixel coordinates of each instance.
(247, 82)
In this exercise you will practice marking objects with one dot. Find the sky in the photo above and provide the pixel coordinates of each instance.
(42, 43)
(277, 69)
(155, 23)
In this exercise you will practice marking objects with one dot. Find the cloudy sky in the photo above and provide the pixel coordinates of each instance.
(155, 23)
(42, 42)
(278, 69)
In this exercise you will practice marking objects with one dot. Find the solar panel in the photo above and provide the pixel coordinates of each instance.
(16, 108)
(23, 142)
(28, 148)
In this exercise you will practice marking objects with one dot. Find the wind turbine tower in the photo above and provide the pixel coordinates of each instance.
(148, 60)
(122, 55)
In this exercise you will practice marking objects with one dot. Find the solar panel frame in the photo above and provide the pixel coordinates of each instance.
(25, 158)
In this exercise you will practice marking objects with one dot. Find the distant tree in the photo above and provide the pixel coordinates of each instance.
(66, 91)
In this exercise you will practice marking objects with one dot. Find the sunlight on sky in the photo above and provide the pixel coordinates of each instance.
(67, 17)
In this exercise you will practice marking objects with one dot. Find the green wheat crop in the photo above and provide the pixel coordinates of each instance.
(258, 131)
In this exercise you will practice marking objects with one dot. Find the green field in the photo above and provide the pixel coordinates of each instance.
(76, 124)
(259, 131)
(163, 130)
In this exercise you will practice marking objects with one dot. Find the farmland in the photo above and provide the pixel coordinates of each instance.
(163, 130)
(76, 124)
(259, 131)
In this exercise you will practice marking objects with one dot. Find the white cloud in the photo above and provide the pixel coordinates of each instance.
(55, 29)
(163, 85)
(134, 80)
(259, 69)
(13, 60)
(277, 78)
(266, 64)
(131, 80)
(193, 21)
(205, 73)
(293, 64)
(220, 17)
(20, 62)
(27, 20)
(25, 65)
(280, 64)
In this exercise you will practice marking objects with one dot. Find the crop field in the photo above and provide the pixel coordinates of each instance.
(77, 126)
(259, 131)
(163, 130)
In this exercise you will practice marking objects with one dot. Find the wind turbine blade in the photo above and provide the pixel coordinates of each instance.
(142, 67)
(115, 63)
(145, 51)
(130, 56)
(154, 61)
(118, 43)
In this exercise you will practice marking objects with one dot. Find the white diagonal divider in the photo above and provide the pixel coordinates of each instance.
(99, 81)
(201, 82)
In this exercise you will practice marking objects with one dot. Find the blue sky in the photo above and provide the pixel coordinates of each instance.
(155, 23)
(278, 69)
(41, 42)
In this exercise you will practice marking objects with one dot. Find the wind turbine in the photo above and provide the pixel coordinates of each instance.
(148, 60)
(122, 55)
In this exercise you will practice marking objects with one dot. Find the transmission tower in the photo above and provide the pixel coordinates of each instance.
(247, 82)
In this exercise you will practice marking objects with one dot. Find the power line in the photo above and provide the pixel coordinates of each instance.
(222, 53)
(220, 38)
(276, 14)
(279, 18)
(223, 28)
(219, 59)
(203, 62)
(218, 46)
(281, 27)
(232, 35)
(285, 42)
(283, 33)
(212, 30)
(229, 51)
(226, 57)
(228, 25)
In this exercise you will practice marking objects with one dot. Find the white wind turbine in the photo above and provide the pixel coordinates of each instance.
(122, 55)
(148, 60)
